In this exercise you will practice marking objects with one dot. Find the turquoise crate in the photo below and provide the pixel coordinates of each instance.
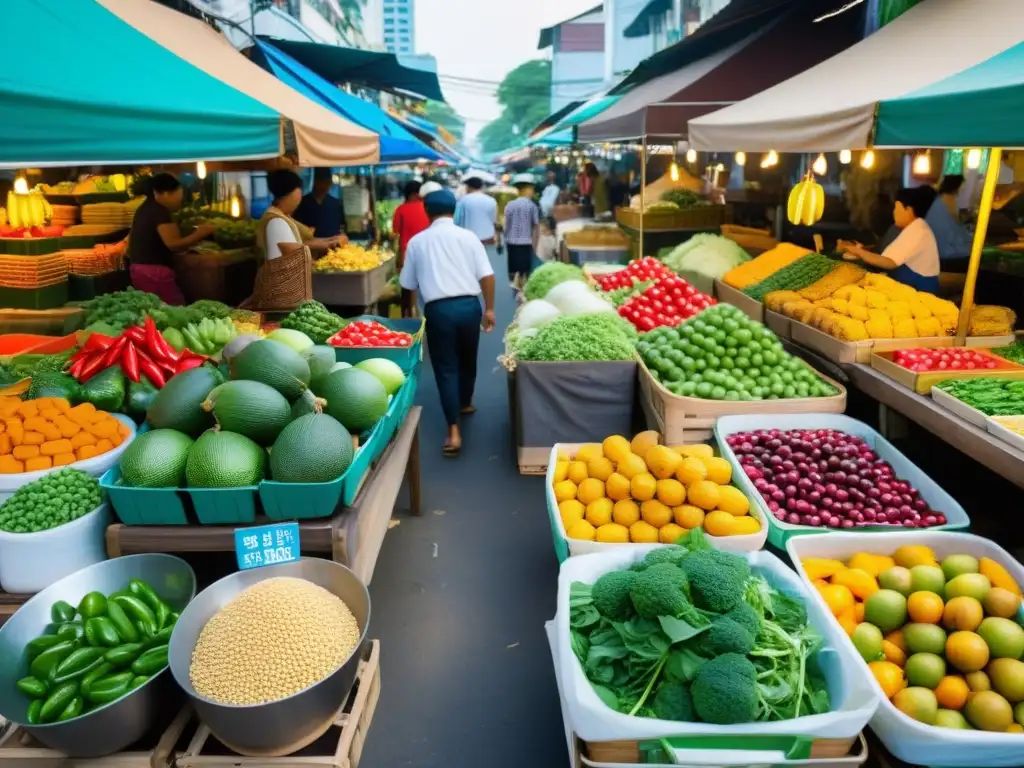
(143, 506)
(300, 501)
(406, 357)
(224, 506)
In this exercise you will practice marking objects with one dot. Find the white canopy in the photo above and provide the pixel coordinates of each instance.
(831, 106)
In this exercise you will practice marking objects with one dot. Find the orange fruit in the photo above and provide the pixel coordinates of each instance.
(719, 470)
(581, 529)
(838, 598)
(670, 533)
(616, 487)
(626, 512)
(644, 441)
(613, 533)
(671, 493)
(691, 470)
(746, 525)
(662, 461)
(615, 448)
(577, 472)
(925, 607)
(966, 651)
(733, 500)
(893, 653)
(571, 511)
(655, 513)
(963, 612)
(643, 487)
(561, 471)
(600, 468)
(719, 523)
(952, 692)
(848, 621)
(896, 638)
(590, 490)
(689, 516)
(589, 451)
(630, 466)
(565, 490)
(858, 611)
(599, 512)
(889, 677)
(704, 494)
(642, 532)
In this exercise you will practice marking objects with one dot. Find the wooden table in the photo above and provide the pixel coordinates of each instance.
(353, 536)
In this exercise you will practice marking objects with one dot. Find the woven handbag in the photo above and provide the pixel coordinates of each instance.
(283, 283)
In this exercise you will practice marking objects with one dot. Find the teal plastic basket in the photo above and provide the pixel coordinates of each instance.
(224, 506)
(143, 506)
(406, 357)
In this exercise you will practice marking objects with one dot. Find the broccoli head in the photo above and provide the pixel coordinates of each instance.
(746, 617)
(726, 636)
(671, 554)
(717, 579)
(611, 595)
(659, 591)
(672, 702)
(725, 691)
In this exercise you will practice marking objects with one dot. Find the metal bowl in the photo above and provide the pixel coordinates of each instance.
(284, 726)
(112, 727)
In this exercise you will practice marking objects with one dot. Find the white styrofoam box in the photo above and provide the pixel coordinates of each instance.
(906, 738)
(931, 492)
(30, 562)
(958, 407)
(97, 466)
(853, 698)
(998, 426)
(746, 543)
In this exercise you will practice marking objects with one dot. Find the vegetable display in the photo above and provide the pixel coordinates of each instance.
(1013, 352)
(993, 397)
(940, 637)
(684, 198)
(122, 309)
(754, 271)
(691, 634)
(45, 433)
(947, 359)
(351, 258)
(315, 320)
(647, 269)
(600, 337)
(642, 492)
(798, 275)
(721, 354)
(711, 256)
(294, 632)
(207, 337)
(827, 478)
(667, 302)
(369, 334)
(53, 500)
(97, 653)
(547, 276)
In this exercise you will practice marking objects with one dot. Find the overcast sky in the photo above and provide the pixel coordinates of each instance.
(484, 40)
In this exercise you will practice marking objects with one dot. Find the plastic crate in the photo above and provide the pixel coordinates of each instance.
(224, 506)
(50, 297)
(144, 506)
(29, 246)
(779, 532)
(406, 357)
(353, 289)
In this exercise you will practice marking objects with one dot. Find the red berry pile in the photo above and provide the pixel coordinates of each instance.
(668, 302)
(369, 334)
(946, 359)
(637, 271)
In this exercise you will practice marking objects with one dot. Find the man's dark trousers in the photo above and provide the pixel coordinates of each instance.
(453, 336)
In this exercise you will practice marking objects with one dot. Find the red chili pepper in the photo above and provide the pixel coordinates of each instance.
(152, 345)
(169, 352)
(130, 362)
(152, 372)
(76, 367)
(96, 342)
(188, 363)
(136, 333)
(113, 353)
(92, 366)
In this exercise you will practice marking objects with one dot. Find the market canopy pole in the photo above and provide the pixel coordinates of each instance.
(988, 194)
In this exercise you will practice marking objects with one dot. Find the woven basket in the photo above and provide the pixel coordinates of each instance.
(702, 217)
(283, 283)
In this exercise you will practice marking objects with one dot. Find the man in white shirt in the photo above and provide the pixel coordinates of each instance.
(477, 211)
(450, 270)
(549, 197)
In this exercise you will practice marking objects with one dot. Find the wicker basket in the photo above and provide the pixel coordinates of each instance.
(703, 217)
(283, 283)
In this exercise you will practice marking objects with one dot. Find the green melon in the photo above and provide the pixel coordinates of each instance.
(250, 408)
(320, 359)
(274, 364)
(224, 460)
(317, 383)
(156, 459)
(314, 448)
(179, 405)
(355, 398)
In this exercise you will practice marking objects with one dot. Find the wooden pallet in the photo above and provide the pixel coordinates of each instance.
(340, 747)
(19, 749)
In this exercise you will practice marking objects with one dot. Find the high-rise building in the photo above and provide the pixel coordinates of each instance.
(399, 26)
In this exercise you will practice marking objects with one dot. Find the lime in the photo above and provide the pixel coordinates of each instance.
(868, 640)
(950, 718)
(1005, 638)
(927, 578)
(954, 565)
(924, 638)
(1008, 678)
(918, 703)
(970, 585)
(925, 670)
(886, 609)
(896, 578)
(1018, 713)
(988, 711)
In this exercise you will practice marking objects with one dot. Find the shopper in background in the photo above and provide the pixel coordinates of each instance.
(278, 226)
(598, 190)
(477, 211)
(943, 217)
(547, 241)
(410, 219)
(320, 210)
(155, 237)
(521, 228)
(449, 268)
(549, 197)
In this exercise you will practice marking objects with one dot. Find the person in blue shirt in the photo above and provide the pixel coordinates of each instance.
(943, 217)
(320, 210)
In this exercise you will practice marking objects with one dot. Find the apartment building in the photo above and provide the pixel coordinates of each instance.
(399, 26)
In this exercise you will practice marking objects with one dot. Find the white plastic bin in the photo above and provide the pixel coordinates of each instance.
(958, 407)
(565, 547)
(779, 532)
(904, 737)
(853, 698)
(30, 562)
(96, 466)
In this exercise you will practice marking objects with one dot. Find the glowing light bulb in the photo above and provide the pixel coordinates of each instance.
(236, 207)
(867, 160)
(673, 172)
(770, 160)
(845, 156)
(820, 165)
(740, 159)
(691, 155)
(21, 186)
(922, 165)
(973, 160)
(201, 169)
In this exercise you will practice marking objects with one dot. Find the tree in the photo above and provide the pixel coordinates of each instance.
(442, 114)
(525, 99)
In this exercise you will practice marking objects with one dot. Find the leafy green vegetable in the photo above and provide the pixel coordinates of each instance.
(315, 320)
(991, 396)
(547, 276)
(684, 198)
(620, 296)
(121, 309)
(705, 254)
(1014, 352)
(580, 338)
(53, 384)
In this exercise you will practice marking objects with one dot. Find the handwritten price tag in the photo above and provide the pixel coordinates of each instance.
(266, 545)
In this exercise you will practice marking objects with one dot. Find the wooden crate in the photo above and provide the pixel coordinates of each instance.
(682, 420)
(752, 308)
(922, 382)
(533, 461)
(702, 217)
(340, 746)
(19, 750)
(829, 347)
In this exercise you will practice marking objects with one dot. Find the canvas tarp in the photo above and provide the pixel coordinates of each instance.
(662, 107)
(832, 106)
(322, 138)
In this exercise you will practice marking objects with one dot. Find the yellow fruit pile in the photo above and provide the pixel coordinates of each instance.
(643, 492)
(940, 638)
(351, 258)
(877, 307)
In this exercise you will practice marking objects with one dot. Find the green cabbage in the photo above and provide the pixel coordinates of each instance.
(706, 254)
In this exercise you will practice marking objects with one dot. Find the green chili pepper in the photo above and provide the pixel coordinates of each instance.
(40, 644)
(32, 687)
(33, 711)
(123, 655)
(61, 612)
(109, 688)
(151, 662)
(72, 710)
(125, 629)
(48, 660)
(139, 611)
(137, 681)
(146, 594)
(100, 631)
(78, 662)
(93, 604)
(91, 677)
(73, 630)
(56, 702)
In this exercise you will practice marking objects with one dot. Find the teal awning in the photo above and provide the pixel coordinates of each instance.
(588, 110)
(554, 138)
(982, 106)
(62, 108)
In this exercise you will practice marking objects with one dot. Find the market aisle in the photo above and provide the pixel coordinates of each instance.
(460, 597)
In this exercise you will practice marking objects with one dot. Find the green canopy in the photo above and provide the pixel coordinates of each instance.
(589, 109)
(66, 104)
(982, 106)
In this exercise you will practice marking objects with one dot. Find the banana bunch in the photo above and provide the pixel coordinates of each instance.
(806, 202)
(206, 337)
(350, 258)
(28, 210)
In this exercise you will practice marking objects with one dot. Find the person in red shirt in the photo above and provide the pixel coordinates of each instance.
(410, 219)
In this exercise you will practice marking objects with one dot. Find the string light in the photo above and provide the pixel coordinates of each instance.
(922, 165)
(741, 159)
(236, 207)
(20, 186)
(201, 170)
(867, 160)
(973, 160)
(845, 156)
(691, 155)
(770, 160)
(820, 165)
(673, 171)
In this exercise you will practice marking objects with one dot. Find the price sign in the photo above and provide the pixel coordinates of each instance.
(266, 545)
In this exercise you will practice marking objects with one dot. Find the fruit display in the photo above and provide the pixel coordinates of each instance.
(877, 307)
(27, 210)
(47, 432)
(96, 653)
(696, 635)
(991, 396)
(798, 275)
(940, 637)
(351, 257)
(806, 204)
(642, 492)
(51, 501)
(385, 213)
(206, 337)
(754, 271)
(667, 302)
(294, 632)
(369, 334)
(827, 478)
(948, 359)
(721, 354)
(647, 269)
(315, 320)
